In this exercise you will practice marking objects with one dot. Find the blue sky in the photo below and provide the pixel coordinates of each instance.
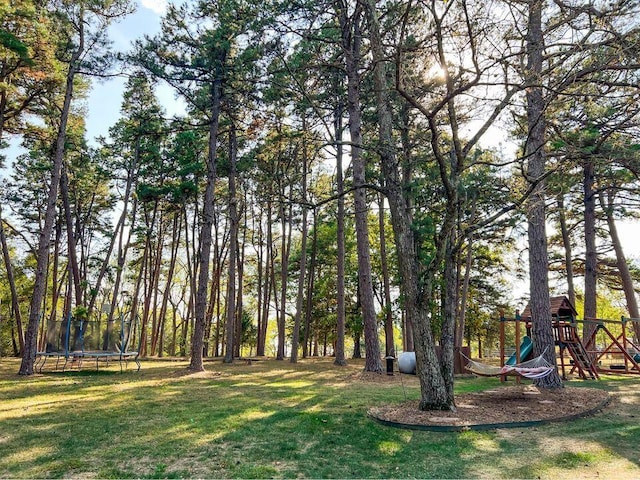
(106, 96)
(103, 105)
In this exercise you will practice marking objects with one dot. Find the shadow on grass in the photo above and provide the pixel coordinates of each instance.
(274, 419)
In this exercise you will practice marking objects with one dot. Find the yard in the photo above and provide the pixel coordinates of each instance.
(275, 419)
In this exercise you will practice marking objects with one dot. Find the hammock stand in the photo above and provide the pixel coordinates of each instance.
(533, 369)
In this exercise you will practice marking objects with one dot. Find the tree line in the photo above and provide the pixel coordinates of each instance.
(330, 179)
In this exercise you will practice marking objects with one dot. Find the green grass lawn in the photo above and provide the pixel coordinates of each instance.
(274, 419)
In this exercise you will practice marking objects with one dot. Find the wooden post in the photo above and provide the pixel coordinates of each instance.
(503, 378)
(518, 358)
(624, 345)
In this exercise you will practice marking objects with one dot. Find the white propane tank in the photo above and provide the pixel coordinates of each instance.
(407, 362)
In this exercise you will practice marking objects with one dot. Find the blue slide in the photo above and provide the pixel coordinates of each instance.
(525, 350)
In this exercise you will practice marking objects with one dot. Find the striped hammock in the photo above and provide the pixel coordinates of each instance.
(535, 368)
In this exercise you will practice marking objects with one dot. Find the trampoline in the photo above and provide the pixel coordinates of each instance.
(73, 342)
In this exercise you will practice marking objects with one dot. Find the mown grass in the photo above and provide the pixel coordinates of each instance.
(272, 419)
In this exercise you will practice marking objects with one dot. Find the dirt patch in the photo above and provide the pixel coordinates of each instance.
(505, 405)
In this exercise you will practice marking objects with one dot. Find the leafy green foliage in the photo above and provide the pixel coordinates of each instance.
(11, 42)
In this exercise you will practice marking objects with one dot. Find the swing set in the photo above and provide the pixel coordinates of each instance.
(604, 351)
(613, 352)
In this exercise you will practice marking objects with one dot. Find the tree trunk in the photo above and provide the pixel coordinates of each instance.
(409, 346)
(417, 290)
(175, 244)
(42, 255)
(213, 306)
(117, 236)
(216, 294)
(155, 262)
(123, 249)
(388, 313)
(267, 288)
(568, 255)
(542, 329)
(191, 252)
(135, 300)
(174, 324)
(233, 250)
(407, 179)
(51, 331)
(464, 294)
(340, 240)
(266, 292)
(357, 350)
(260, 268)
(352, 58)
(623, 266)
(450, 303)
(591, 255)
(150, 273)
(71, 242)
(303, 255)
(284, 267)
(310, 284)
(15, 301)
(240, 289)
(197, 342)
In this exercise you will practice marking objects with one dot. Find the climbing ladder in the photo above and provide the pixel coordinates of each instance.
(566, 336)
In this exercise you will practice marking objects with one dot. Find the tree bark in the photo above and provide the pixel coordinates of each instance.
(542, 329)
(260, 268)
(373, 362)
(233, 246)
(591, 255)
(417, 289)
(464, 294)
(267, 288)
(215, 294)
(155, 265)
(175, 243)
(568, 255)
(303, 255)
(154, 291)
(42, 255)
(386, 284)
(310, 284)
(197, 341)
(123, 249)
(623, 266)
(15, 301)
(340, 358)
(51, 331)
(285, 248)
(71, 242)
(151, 269)
(118, 234)
(240, 289)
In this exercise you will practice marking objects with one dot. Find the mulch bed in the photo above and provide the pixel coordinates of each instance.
(520, 405)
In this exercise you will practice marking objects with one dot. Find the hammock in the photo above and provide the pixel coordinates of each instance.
(535, 368)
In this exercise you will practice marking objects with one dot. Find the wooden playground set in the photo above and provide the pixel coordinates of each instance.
(611, 347)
